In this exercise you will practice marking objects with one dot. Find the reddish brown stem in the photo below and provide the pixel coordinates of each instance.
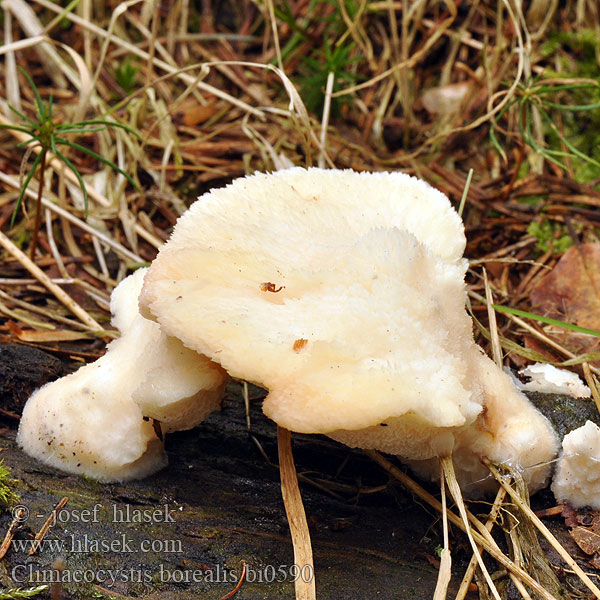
(38, 209)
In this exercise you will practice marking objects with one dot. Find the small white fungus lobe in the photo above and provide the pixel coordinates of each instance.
(577, 477)
(548, 379)
(98, 420)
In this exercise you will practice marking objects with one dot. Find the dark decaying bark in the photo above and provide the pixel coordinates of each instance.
(217, 506)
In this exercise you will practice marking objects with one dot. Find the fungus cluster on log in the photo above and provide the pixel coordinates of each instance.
(342, 294)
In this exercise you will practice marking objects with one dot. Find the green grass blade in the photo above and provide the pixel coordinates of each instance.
(97, 156)
(17, 128)
(60, 16)
(567, 143)
(496, 143)
(53, 144)
(22, 116)
(528, 139)
(551, 89)
(572, 108)
(108, 124)
(535, 317)
(36, 162)
(79, 178)
(588, 357)
(67, 128)
(28, 142)
(509, 346)
(38, 99)
(549, 152)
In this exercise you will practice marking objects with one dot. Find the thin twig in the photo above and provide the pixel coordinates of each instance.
(38, 208)
(18, 518)
(238, 587)
(45, 528)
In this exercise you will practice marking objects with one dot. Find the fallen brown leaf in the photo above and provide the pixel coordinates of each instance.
(190, 112)
(571, 293)
(587, 538)
(585, 532)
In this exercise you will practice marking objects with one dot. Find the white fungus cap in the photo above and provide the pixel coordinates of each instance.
(340, 292)
(89, 421)
(548, 379)
(577, 476)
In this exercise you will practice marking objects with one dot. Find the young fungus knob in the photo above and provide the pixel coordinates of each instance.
(101, 421)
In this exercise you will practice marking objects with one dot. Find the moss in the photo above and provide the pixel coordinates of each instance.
(550, 234)
(565, 413)
(8, 496)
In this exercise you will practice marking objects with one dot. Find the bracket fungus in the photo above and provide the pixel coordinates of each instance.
(343, 294)
(98, 421)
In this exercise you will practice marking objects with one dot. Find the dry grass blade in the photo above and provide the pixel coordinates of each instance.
(536, 333)
(468, 577)
(448, 468)
(592, 382)
(13, 95)
(405, 64)
(483, 538)
(58, 292)
(273, 21)
(294, 509)
(119, 248)
(28, 20)
(22, 44)
(496, 348)
(445, 572)
(158, 63)
(325, 119)
(544, 530)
